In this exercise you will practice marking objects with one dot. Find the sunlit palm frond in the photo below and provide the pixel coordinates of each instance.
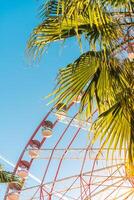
(73, 79)
(121, 4)
(8, 177)
(53, 29)
(97, 77)
(114, 128)
(92, 20)
(51, 8)
(66, 6)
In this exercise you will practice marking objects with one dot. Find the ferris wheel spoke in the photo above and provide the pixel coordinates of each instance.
(106, 179)
(114, 190)
(55, 178)
(84, 188)
(101, 184)
(106, 188)
(55, 148)
(70, 187)
(85, 174)
(125, 195)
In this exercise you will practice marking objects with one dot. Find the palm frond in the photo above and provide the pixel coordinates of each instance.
(115, 127)
(121, 4)
(73, 79)
(53, 29)
(8, 177)
(54, 7)
(97, 77)
(78, 18)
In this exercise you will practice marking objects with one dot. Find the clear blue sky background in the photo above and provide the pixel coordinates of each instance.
(23, 86)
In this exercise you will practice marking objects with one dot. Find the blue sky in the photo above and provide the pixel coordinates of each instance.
(22, 85)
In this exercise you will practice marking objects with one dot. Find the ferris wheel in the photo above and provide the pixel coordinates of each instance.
(59, 163)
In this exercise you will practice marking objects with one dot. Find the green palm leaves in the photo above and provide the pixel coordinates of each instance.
(105, 80)
(100, 77)
(8, 177)
(114, 128)
(64, 19)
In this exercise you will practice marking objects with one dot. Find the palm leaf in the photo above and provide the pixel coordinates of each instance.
(95, 76)
(119, 3)
(53, 29)
(8, 177)
(77, 19)
(115, 128)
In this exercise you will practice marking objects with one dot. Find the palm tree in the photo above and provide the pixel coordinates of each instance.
(8, 177)
(105, 74)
